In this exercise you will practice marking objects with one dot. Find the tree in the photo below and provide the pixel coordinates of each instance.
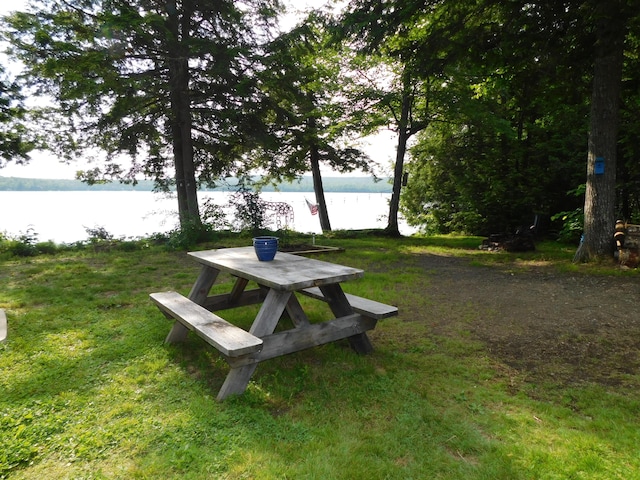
(628, 154)
(511, 142)
(312, 119)
(406, 126)
(417, 39)
(14, 142)
(169, 84)
(512, 54)
(609, 19)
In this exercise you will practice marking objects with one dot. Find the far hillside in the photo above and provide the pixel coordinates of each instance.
(305, 184)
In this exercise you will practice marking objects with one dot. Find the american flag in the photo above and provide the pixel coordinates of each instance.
(313, 208)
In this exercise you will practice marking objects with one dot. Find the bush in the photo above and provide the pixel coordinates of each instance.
(213, 215)
(98, 234)
(25, 245)
(572, 223)
(129, 246)
(249, 211)
(48, 247)
(189, 235)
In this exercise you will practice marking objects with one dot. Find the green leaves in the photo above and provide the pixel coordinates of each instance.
(15, 140)
(110, 66)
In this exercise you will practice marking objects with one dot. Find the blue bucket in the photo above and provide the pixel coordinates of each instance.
(265, 247)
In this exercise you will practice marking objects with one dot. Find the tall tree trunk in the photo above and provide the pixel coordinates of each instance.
(189, 171)
(319, 190)
(403, 137)
(600, 195)
(314, 154)
(176, 136)
(186, 186)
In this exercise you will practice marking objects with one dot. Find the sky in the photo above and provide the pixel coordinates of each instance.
(44, 165)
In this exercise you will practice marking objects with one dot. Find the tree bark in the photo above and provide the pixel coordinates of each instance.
(600, 195)
(403, 137)
(318, 188)
(314, 155)
(186, 185)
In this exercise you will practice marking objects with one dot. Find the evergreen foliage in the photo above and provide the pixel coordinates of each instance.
(15, 139)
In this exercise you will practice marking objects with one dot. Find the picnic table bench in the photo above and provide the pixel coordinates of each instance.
(230, 340)
(277, 283)
(368, 308)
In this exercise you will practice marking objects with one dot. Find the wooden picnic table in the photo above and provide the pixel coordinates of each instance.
(276, 284)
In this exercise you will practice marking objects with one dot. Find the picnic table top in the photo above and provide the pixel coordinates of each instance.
(286, 271)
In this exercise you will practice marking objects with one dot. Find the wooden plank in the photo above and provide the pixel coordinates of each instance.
(224, 301)
(238, 288)
(199, 292)
(312, 335)
(270, 313)
(296, 313)
(3, 326)
(236, 381)
(265, 323)
(230, 340)
(340, 307)
(203, 283)
(361, 305)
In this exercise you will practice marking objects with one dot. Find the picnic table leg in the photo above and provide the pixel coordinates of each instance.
(236, 381)
(203, 284)
(340, 307)
(297, 315)
(264, 324)
(198, 294)
(238, 288)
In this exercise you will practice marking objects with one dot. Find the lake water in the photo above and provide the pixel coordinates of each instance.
(63, 216)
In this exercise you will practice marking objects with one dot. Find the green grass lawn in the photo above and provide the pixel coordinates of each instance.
(89, 390)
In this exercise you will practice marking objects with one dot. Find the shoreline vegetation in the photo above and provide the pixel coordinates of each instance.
(305, 184)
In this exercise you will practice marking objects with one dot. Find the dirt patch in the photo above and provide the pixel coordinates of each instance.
(539, 324)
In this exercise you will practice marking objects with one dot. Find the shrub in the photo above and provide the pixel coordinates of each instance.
(47, 247)
(571, 225)
(25, 245)
(189, 235)
(249, 211)
(213, 215)
(98, 234)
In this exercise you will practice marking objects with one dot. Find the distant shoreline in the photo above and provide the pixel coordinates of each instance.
(330, 184)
